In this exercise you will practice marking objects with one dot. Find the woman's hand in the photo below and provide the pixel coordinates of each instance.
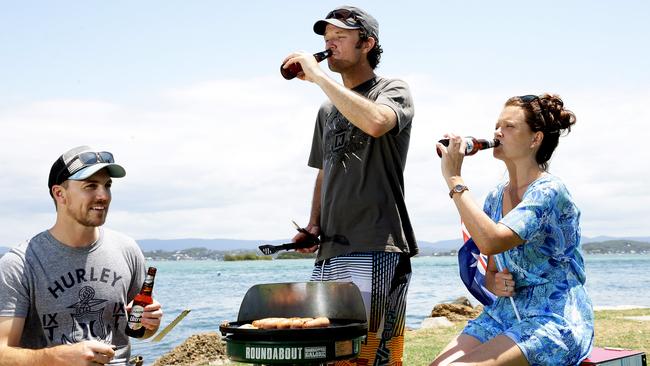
(452, 157)
(504, 284)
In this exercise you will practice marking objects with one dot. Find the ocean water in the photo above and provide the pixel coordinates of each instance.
(214, 290)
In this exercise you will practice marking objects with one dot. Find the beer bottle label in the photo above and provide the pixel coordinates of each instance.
(135, 317)
(469, 146)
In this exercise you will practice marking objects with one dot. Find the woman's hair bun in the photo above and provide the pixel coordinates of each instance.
(556, 117)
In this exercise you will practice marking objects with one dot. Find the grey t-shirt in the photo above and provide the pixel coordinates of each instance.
(68, 295)
(362, 195)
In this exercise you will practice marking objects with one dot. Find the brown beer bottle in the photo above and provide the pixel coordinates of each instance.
(472, 145)
(292, 70)
(134, 326)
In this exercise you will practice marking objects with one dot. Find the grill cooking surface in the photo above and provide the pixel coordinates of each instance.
(338, 329)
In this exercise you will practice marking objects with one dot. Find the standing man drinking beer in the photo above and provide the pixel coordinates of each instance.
(359, 147)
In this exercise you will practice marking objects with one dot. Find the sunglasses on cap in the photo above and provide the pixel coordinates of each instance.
(341, 14)
(89, 158)
(345, 16)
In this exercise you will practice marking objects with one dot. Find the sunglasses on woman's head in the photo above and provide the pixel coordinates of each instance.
(528, 98)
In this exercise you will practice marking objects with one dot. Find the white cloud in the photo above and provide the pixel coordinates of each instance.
(227, 158)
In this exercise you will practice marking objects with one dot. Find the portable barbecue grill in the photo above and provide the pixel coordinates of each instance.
(341, 302)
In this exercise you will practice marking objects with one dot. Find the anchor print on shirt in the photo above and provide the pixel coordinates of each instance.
(87, 319)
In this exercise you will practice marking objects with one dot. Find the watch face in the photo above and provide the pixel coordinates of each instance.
(457, 189)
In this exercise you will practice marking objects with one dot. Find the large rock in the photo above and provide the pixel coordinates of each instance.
(462, 301)
(458, 310)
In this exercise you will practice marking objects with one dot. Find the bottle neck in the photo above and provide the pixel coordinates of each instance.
(320, 56)
(147, 286)
(487, 143)
(147, 290)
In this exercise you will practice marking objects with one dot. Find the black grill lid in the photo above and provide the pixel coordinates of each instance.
(335, 300)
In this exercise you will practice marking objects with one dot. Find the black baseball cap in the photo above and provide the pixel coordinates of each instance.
(80, 163)
(349, 17)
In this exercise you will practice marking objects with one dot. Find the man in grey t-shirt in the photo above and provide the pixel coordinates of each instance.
(64, 294)
(359, 147)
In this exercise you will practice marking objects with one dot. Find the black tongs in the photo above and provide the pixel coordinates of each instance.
(311, 240)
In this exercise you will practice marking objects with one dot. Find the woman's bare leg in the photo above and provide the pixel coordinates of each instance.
(499, 350)
(460, 346)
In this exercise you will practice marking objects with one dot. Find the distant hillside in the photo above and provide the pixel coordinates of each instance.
(443, 246)
(617, 246)
(148, 245)
(600, 239)
(216, 248)
(426, 247)
(213, 244)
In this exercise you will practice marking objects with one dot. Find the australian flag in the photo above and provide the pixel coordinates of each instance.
(472, 265)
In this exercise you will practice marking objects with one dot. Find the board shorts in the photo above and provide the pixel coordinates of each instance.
(383, 279)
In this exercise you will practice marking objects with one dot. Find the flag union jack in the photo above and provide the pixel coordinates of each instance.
(472, 266)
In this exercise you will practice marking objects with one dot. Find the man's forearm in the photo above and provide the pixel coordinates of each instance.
(82, 353)
(370, 117)
(15, 356)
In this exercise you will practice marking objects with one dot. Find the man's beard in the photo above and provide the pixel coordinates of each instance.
(89, 221)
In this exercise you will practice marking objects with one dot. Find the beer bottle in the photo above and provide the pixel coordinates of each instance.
(292, 70)
(134, 326)
(472, 145)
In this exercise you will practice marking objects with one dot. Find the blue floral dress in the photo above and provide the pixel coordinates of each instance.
(557, 319)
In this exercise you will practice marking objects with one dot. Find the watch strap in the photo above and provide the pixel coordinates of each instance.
(458, 188)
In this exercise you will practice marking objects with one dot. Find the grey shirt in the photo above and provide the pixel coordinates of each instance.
(68, 295)
(362, 194)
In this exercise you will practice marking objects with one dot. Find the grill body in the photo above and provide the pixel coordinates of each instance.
(341, 302)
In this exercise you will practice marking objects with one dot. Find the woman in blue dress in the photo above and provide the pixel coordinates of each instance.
(530, 224)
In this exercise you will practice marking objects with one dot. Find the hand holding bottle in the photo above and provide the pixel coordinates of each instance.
(298, 62)
(144, 313)
(452, 157)
(472, 145)
(151, 316)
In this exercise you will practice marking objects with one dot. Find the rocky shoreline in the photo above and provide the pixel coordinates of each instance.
(210, 349)
(199, 349)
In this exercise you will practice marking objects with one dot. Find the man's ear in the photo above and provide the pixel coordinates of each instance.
(58, 192)
(369, 44)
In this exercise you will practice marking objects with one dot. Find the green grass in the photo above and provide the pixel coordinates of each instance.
(421, 346)
(611, 330)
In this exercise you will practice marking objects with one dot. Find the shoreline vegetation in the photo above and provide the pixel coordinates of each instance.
(626, 328)
(605, 247)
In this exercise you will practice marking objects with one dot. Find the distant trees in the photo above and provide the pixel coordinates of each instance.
(246, 257)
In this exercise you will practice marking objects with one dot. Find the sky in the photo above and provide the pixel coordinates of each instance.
(188, 97)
